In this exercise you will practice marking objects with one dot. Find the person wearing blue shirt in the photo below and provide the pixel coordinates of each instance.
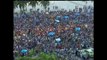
(58, 17)
(77, 14)
(77, 29)
(66, 18)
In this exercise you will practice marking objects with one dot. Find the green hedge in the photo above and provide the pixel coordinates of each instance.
(23, 58)
(45, 56)
(41, 56)
(31, 53)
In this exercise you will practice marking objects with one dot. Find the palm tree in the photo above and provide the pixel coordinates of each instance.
(44, 4)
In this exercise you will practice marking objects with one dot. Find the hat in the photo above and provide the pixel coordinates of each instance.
(47, 12)
(58, 39)
(86, 25)
(57, 20)
(24, 34)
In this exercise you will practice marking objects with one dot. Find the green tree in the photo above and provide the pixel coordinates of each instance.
(22, 5)
(31, 52)
(45, 4)
(33, 4)
(15, 4)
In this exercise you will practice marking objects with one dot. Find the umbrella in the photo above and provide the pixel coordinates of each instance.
(23, 51)
(66, 17)
(51, 33)
(58, 39)
(57, 20)
(57, 17)
(77, 29)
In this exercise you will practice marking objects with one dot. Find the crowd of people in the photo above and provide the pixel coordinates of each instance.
(73, 27)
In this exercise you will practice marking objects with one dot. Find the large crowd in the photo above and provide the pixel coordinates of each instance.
(73, 27)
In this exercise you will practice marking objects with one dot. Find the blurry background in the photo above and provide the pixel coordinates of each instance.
(68, 5)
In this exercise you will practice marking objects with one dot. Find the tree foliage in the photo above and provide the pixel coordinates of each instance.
(45, 4)
(23, 4)
(33, 3)
(41, 56)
